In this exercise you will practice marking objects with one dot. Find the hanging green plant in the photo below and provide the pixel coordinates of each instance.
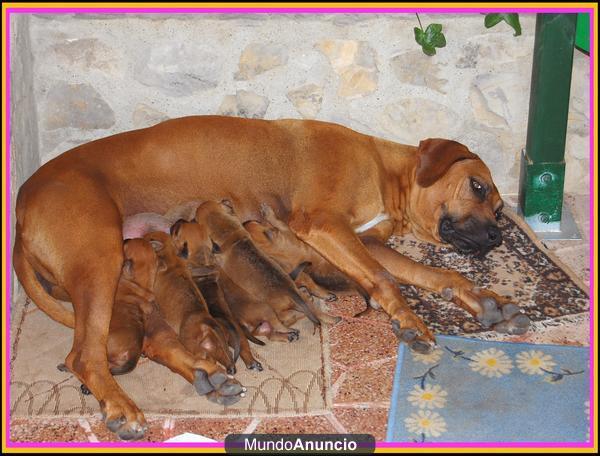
(430, 38)
(511, 19)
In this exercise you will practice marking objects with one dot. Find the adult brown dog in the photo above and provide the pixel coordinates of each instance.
(328, 183)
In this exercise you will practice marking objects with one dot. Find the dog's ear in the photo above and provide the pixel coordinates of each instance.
(271, 233)
(128, 268)
(161, 265)
(184, 252)
(436, 156)
(228, 205)
(176, 227)
(156, 245)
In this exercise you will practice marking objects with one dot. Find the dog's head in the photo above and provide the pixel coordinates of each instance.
(140, 263)
(220, 220)
(454, 199)
(193, 243)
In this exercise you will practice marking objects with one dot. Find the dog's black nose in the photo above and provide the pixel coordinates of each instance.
(494, 236)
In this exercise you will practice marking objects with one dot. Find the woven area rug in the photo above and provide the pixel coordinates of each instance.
(547, 290)
(293, 381)
(480, 391)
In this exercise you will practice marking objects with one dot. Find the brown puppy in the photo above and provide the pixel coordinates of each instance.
(248, 266)
(183, 307)
(286, 252)
(254, 315)
(329, 184)
(195, 247)
(276, 239)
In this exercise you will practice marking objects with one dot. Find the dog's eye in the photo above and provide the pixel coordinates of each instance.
(477, 188)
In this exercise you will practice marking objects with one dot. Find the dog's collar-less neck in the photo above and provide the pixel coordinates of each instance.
(371, 223)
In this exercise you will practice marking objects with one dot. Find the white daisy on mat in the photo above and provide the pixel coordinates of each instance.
(428, 358)
(491, 363)
(431, 397)
(425, 422)
(533, 361)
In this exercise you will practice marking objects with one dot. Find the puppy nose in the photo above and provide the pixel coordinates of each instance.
(494, 235)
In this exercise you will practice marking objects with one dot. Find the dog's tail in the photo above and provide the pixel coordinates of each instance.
(235, 338)
(302, 306)
(34, 289)
(250, 337)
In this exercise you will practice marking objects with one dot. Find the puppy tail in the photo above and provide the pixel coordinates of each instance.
(301, 306)
(298, 269)
(250, 337)
(34, 289)
(235, 339)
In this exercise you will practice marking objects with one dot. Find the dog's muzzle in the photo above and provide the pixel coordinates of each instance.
(470, 237)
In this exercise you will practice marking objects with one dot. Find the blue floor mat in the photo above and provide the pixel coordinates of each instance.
(470, 390)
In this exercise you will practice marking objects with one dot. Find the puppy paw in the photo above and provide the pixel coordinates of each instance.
(255, 365)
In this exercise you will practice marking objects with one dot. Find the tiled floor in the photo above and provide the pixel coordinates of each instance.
(363, 360)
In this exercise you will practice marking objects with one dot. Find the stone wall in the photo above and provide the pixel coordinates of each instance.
(98, 75)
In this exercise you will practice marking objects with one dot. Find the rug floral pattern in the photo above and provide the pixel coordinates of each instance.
(480, 391)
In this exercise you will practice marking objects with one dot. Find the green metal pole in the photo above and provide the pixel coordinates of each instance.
(542, 163)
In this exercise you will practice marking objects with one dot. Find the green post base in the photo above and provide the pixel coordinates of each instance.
(541, 193)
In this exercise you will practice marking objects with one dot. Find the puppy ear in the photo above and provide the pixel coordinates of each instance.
(208, 345)
(271, 233)
(161, 265)
(184, 252)
(156, 245)
(176, 227)
(227, 204)
(128, 268)
(436, 156)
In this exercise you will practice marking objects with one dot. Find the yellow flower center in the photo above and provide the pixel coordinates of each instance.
(491, 362)
(425, 423)
(535, 362)
(427, 396)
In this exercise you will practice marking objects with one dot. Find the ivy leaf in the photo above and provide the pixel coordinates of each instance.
(431, 38)
(511, 19)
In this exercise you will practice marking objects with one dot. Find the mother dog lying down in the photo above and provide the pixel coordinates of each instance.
(341, 192)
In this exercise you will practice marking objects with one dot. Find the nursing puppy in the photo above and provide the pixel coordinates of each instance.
(245, 264)
(268, 240)
(275, 238)
(254, 316)
(195, 247)
(183, 307)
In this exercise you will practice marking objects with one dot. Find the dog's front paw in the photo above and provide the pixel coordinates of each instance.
(415, 339)
(123, 418)
(498, 312)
